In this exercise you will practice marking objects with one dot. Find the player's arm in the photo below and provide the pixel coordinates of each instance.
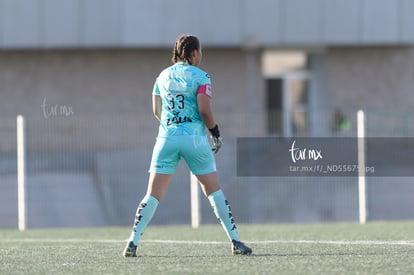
(204, 108)
(156, 106)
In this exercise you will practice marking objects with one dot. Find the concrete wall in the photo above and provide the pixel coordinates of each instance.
(374, 78)
(82, 88)
(90, 130)
(377, 80)
(103, 135)
(138, 23)
(91, 82)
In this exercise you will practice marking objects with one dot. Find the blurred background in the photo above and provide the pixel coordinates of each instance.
(81, 73)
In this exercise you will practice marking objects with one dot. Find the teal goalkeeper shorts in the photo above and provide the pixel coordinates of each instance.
(194, 149)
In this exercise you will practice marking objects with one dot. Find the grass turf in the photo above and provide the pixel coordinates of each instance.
(374, 248)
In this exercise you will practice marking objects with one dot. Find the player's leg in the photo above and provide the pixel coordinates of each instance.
(222, 210)
(163, 164)
(218, 201)
(200, 159)
(157, 185)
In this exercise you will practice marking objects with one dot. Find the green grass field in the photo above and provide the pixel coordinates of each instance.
(374, 248)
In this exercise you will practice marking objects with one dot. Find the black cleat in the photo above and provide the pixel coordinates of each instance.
(239, 248)
(130, 250)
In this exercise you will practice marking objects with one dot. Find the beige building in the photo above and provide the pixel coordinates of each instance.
(81, 73)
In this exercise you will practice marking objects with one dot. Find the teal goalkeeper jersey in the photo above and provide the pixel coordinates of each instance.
(178, 87)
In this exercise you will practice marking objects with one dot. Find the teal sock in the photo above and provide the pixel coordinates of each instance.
(145, 211)
(223, 213)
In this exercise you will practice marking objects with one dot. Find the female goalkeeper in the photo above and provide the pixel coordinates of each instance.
(181, 103)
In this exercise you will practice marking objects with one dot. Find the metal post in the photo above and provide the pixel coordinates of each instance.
(21, 173)
(362, 202)
(195, 202)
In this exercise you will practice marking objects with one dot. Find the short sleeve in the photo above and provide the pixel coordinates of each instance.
(156, 90)
(205, 79)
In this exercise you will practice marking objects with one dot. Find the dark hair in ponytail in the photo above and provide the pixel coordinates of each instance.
(183, 48)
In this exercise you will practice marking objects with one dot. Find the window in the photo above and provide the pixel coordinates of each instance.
(287, 96)
(287, 103)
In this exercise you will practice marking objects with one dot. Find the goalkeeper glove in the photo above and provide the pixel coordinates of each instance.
(216, 140)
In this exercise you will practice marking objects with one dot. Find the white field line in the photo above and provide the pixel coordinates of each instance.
(329, 242)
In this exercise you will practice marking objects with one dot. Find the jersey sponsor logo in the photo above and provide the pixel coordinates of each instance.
(178, 119)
